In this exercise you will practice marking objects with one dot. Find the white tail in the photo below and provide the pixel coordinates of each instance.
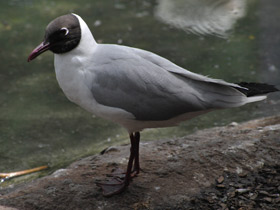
(255, 98)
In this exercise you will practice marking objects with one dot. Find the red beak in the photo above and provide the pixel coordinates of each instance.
(38, 50)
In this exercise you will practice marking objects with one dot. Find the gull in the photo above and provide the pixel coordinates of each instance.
(132, 87)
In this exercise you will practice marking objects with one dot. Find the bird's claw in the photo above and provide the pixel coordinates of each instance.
(112, 187)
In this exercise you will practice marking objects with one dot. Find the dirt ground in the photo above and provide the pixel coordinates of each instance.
(232, 167)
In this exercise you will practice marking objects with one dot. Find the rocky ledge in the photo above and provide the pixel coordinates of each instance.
(231, 167)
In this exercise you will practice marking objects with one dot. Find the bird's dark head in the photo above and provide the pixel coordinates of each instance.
(62, 35)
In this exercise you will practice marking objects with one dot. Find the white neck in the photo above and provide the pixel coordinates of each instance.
(79, 55)
(87, 43)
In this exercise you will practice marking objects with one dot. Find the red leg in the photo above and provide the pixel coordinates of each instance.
(136, 167)
(118, 185)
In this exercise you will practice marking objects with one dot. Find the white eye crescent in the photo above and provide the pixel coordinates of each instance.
(65, 29)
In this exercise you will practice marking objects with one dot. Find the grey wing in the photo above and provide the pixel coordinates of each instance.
(150, 92)
(143, 89)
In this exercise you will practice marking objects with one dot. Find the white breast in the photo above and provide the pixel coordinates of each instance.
(71, 78)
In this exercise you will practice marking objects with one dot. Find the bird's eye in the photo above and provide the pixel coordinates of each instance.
(65, 30)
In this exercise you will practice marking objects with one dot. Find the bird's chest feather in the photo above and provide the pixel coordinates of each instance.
(70, 74)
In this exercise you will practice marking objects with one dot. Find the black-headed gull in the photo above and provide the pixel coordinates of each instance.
(132, 87)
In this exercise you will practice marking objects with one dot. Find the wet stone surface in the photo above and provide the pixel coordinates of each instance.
(256, 190)
(231, 167)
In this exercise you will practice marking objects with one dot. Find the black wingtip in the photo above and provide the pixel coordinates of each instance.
(254, 89)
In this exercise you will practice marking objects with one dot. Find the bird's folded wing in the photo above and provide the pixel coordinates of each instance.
(147, 86)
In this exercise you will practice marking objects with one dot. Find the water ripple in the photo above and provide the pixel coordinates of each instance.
(202, 17)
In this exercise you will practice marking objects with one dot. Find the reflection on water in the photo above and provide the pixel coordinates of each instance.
(203, 17)
(40, 126)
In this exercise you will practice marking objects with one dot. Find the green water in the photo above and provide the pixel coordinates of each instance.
(40, 126)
